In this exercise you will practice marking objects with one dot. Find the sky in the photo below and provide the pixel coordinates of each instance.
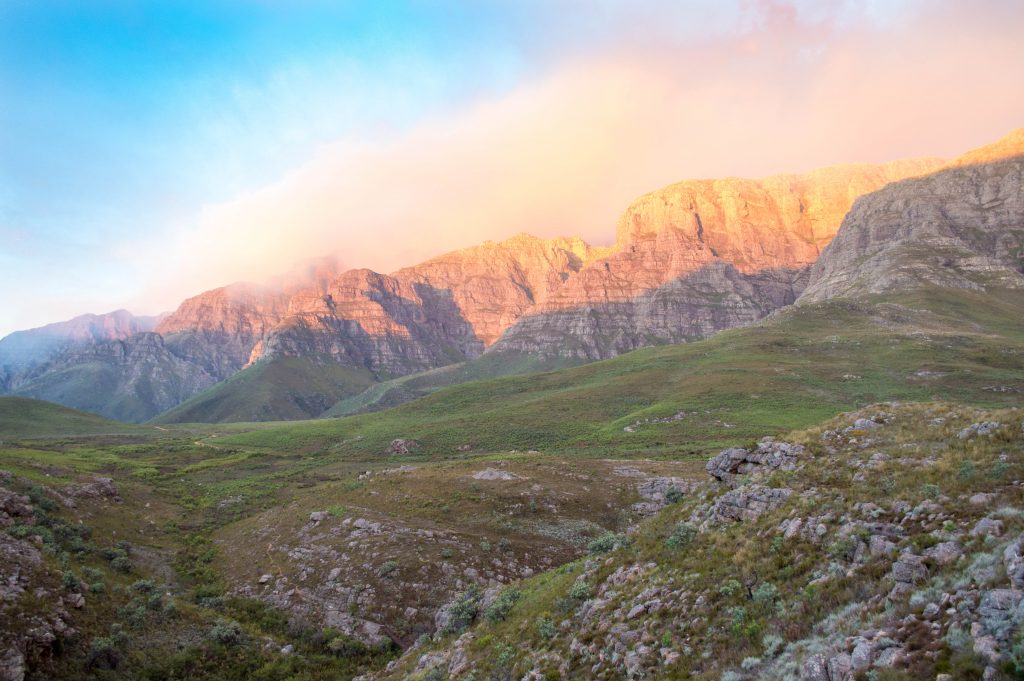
(152, 150)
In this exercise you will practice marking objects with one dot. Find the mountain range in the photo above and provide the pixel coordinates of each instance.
(688, 260)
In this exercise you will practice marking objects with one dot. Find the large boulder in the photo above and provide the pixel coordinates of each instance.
(768, 455)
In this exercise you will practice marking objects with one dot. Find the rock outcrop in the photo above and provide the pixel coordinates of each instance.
(961, 227)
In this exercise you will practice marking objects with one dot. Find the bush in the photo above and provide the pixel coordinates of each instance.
(930, 490)
(345, 646)
(546, 628)
(772, 644)
(766, 594)
(388, 568)
(580, 590)
(682, 534)
(608, 542)
(674, 495)
(225, 633)
(447, 553)
(103, 653)
(462, 612)
(502, 605)
(70, 581)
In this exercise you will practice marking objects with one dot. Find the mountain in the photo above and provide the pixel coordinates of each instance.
(961, 227)
(688, 260)
(21, 351)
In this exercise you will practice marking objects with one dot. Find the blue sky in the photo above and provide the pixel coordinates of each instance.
(129, 129)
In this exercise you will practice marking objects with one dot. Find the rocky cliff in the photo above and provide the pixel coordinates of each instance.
(960, 227)
(698, 257)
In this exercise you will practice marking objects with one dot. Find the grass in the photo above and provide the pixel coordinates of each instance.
(798, 367)
(25, 417)
(197, 495)
(277, 389)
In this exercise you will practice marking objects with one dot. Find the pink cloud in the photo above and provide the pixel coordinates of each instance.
(565, 154)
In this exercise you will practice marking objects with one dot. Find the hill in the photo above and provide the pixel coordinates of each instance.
(26, 418)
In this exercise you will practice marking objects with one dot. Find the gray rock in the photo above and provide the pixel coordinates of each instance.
(815, 668)
(988, 527)
(909, 569)
(1014, 562)
(981, 429)
(768, 455)
(944, 553)
(748, 502)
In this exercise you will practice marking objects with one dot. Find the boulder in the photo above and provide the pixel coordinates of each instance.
(402, 445)
(768, 455)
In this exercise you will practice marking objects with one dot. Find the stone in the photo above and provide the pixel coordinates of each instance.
(748, 502)
(495, 474)
(982, 429)
(768, 455)
(909, 569)
(944, 553)
(318, 516)
(403, 446)
(1014, 562)
(988, 527)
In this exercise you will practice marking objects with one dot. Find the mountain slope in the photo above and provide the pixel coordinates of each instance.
(274, 389)
(23, 417)
(962, 227)
(800, 365)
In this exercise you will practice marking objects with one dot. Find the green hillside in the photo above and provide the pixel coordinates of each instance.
(23, 417)
(278, 389)
(801, 365)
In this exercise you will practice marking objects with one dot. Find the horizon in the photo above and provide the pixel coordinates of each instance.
(152, 152)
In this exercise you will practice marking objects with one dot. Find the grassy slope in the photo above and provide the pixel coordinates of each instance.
(24, 417)
(394, 392)
(803, 365)
(279, 389)
(799, 586)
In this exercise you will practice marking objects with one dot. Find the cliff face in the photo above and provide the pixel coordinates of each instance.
(698, 257)
(690, 259)
(961, 227)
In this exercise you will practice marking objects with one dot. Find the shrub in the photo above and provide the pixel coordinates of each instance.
(730, 588)
(749, 663)
(682, 534)
(462, 612)
(122, 564)
(766, 594)
(485, 546)
(967, 470)
(674, 495)
(70, 581)
(504, 545)
(930, 490)
(225, 633)
(345, 646)
(103, 653)
(999, 470)
(772, 644)
(608, 542)
(502, 605)
(447, 553)
(546, 628)
(388, 568)
(580, 590)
